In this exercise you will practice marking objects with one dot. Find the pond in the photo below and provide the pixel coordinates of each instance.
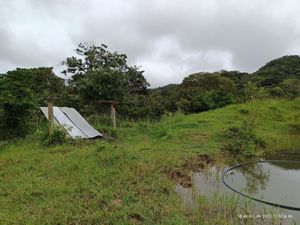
(275, 180)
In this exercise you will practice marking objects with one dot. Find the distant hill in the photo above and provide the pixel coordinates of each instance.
(285, 64)
(165, 88)
(203, 91)
(271, 74)
(277, 70)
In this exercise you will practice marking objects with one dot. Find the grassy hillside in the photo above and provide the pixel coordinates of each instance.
(99, 182)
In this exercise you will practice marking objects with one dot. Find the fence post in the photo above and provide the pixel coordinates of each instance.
(113, 115)
(50, 115)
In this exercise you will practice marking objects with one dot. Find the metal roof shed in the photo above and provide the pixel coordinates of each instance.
(73, 122)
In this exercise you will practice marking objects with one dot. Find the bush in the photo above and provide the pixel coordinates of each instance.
(276, 92)
(213, 100)
(57, 136)
(291, 88)
(251, 92)
(242, 140)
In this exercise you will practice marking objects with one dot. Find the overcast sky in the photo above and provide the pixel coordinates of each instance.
(168, 38)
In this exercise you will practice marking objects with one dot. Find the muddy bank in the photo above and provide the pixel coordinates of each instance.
(182, 175)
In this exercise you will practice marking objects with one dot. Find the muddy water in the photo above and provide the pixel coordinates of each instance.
(274, 182)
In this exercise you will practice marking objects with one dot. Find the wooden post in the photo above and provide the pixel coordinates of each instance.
(113, 115)
(113, 105)
(50, 115)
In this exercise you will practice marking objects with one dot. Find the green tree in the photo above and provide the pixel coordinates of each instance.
(98, 74)
(21, 91)
(209, 81)
(203, 91)
(213, 99)
(17, 101)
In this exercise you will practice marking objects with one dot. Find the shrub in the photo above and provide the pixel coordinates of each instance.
(57, 136)
(242, 140)
(183, 105)
(213, 100)
(251, 92)
(276, 92)
(291, 88)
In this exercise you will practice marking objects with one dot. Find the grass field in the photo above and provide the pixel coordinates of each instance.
(126, 182)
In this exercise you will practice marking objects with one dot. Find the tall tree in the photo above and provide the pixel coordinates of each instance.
(98, 74)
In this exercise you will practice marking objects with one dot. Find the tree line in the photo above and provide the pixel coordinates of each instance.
(98, 74)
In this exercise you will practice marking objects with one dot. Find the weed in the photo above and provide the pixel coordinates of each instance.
(242, 140)
(56, 136)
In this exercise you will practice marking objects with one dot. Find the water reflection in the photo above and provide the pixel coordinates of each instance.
(256, 177)
(294, 157)
(277, 182)
(287, 165)
(268, 181)
(204, 183)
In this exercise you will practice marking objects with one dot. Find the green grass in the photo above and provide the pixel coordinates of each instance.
(100, 182)
(225, 209)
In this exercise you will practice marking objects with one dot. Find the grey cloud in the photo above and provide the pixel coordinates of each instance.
(169, 39)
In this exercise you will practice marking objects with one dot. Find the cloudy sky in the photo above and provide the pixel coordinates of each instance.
(168, 38)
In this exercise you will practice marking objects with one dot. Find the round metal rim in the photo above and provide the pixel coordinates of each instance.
(250, 197)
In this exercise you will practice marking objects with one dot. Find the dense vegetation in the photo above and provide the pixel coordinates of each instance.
(96, 74)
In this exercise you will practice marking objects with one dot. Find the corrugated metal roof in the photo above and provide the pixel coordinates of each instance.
(73, 122)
